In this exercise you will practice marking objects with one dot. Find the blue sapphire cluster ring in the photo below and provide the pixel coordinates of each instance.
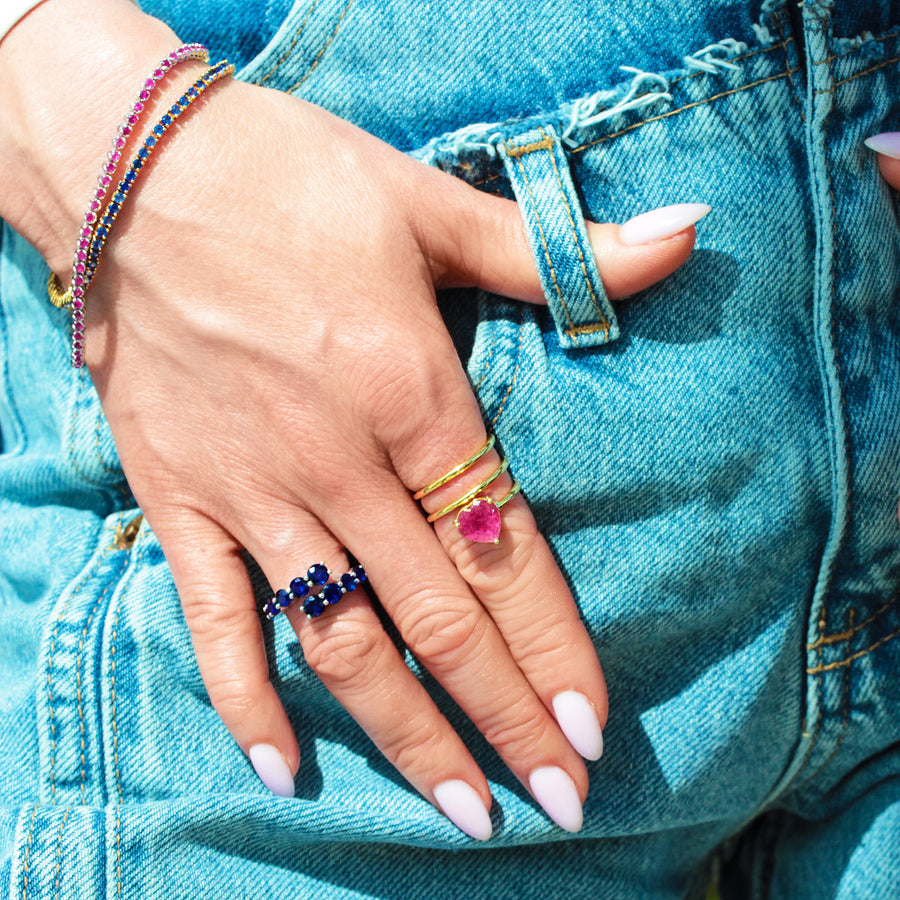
(303, 587)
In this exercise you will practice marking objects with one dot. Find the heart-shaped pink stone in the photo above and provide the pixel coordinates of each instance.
(480, 521)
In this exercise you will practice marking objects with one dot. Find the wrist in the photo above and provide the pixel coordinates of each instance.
(57, 122)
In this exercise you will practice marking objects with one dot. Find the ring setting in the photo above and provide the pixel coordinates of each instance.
(317, 575)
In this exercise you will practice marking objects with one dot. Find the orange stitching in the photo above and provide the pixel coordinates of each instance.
(321, 53)
(880, 65)
(26, 861)
(859, 655)
(846, 635)
(857, 48)
(287, 52)
(59, 851)
(680, 109)
(602, 325)
(537, 217)
(545, 144)
(515, 374)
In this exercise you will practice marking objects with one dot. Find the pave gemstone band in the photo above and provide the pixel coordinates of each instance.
(302, 588)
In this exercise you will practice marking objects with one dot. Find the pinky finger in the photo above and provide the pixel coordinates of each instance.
(228, 642)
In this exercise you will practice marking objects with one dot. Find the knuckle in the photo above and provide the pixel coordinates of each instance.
(414, 749)
(442, 634)
(344, 654)
(517, 731)
(212, 618)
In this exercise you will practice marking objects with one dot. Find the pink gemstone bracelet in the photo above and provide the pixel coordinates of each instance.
(99, 217)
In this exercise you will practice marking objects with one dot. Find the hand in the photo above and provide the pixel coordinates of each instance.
(264, 336)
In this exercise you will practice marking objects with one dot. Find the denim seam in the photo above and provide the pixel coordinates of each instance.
(537, 217)
(59, 835)
(789, 71)
(846, 635)
(321, 53)
(845, 705)
(854, 656)
(79, 662)
(515, 373)
(26, 861)
(880, 65)
(858, 47)
(603, 324)
(293, 44)
(59, 619)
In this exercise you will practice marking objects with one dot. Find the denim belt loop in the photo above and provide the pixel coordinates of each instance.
(537, 167)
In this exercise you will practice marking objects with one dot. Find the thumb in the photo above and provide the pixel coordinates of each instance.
(480, 239)
(887, 146)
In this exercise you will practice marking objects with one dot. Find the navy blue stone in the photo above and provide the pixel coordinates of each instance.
(299, 587)
(318, 574)
(165, 120)
(150, 140)
(359, 573)
(118, 198)
(282, 599)
(332, 593)
(113, 208)
(348, 582)
(102, 232)
(128, 179)
(313, 606)
(183, 100)
(143, 153)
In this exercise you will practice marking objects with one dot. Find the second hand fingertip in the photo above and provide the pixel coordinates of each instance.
(662, 223)
(579, 723)
(887, 143)
(462, 805)
(272, 769)
(554, 789)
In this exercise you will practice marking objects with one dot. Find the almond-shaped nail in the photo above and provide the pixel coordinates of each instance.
(579, 723)
(556, 792)
(887, 143)
(662, 223)
(272, 769)
(462, 805)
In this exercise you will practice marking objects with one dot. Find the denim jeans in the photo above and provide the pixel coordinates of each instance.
(715, 462)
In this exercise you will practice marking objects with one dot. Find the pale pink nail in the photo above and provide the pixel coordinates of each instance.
(887, 143)
(662, 223)
(579, 723)
(556, 792)
(462, 805)
(272, 769)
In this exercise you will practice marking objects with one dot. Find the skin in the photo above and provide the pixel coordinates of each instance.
(264, 337)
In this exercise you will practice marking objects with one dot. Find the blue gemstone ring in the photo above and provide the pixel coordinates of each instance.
(302, 588)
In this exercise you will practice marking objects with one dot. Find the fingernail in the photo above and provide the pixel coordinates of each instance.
(462, 805)
(272, 769)
(557, 793)
(887, 143)
(661, 223)
(579, 723)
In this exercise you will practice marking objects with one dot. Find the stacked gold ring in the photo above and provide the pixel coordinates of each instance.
(478, 516)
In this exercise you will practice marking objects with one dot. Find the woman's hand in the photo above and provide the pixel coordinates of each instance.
(264, 336)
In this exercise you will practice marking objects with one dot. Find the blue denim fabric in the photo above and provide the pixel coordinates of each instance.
(719, 484)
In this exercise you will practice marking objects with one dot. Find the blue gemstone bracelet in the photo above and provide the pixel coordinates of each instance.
(314, 604)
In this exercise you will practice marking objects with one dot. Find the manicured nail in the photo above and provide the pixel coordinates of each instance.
(579, 723)
(462, 805)
(272, 769)
(662, 223)
(887, 143)
(557, 793)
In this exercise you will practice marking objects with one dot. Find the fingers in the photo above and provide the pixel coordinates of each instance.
(546, 636)
(451, 635)
(479, 239)
(887, 146)
(356, 660)
(225, 629)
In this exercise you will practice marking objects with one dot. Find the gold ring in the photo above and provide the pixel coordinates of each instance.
(458, 470)
(456, 504)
